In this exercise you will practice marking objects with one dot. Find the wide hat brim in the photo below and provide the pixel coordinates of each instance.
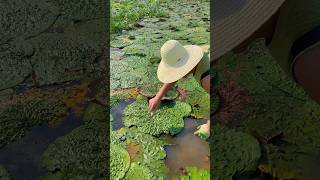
(171, 73)
(235, 20)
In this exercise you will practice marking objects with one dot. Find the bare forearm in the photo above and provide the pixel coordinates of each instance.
(164, 89)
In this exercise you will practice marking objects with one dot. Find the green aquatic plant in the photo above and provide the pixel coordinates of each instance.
(95, 112)
(79, 10)
(138, 171)
(167, 119)
(280, 114)
(118, 96)
(144, 150)
(126, 74)
(14, 67)
(233, 152)
(25, 18)
(119, 161)
(196, 96)
(4, 174)
(193, 173)
(61, 57)
(18, 117)
(82, 153)
(123, 16)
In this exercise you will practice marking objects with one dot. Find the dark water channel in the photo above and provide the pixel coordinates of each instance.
(22, 158)
(185, 149)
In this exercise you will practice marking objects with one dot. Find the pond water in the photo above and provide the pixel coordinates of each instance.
(22, 158)
(185, 149)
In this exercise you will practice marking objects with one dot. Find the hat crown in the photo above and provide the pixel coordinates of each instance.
(172, 51)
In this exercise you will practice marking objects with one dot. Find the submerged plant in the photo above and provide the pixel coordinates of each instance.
(167, 119)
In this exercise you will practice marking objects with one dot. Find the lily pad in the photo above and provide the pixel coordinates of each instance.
(81, 154)
(195, 173)
(144, 150)
(17, 117)
(25, 18)
(138, 171)
(233, 152)
(60, 58)
(196, 96)
(15, 66)
(119, 162)
(167, 119)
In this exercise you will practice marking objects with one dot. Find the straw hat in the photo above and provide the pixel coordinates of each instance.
(177, 60)
(235, 20)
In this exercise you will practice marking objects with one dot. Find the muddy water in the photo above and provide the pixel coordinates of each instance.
(185, 149)
(22, 158)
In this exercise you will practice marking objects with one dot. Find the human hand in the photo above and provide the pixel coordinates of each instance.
(153, 104)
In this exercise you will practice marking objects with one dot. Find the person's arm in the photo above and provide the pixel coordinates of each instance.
(307, 72)
(154, 102)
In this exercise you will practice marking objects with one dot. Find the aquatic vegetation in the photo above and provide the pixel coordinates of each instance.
(146, 152)
(118, 96)
(79, 10)
(280, 115)
(195, 173)
(123, 16)
(150, 90)
(25, 18)
(233, 152)
(80, 154)
(233, 100)
(4, 174)
(167, 119)
(196, 96)
(138, 171)
(127, 73)
(61, 58)
(95, 112)
(13, 55)
(119, 161)
(17, 118)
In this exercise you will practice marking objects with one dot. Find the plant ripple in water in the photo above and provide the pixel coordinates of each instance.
(22, 158)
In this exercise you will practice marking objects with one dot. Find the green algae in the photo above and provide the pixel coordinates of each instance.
(17, 118)
(4, 174)
(119, 162)
(81, 154)
(25, 18)
(167, 119)
(196, 96)
(193, 173)
(233, 152)
(61, 57)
